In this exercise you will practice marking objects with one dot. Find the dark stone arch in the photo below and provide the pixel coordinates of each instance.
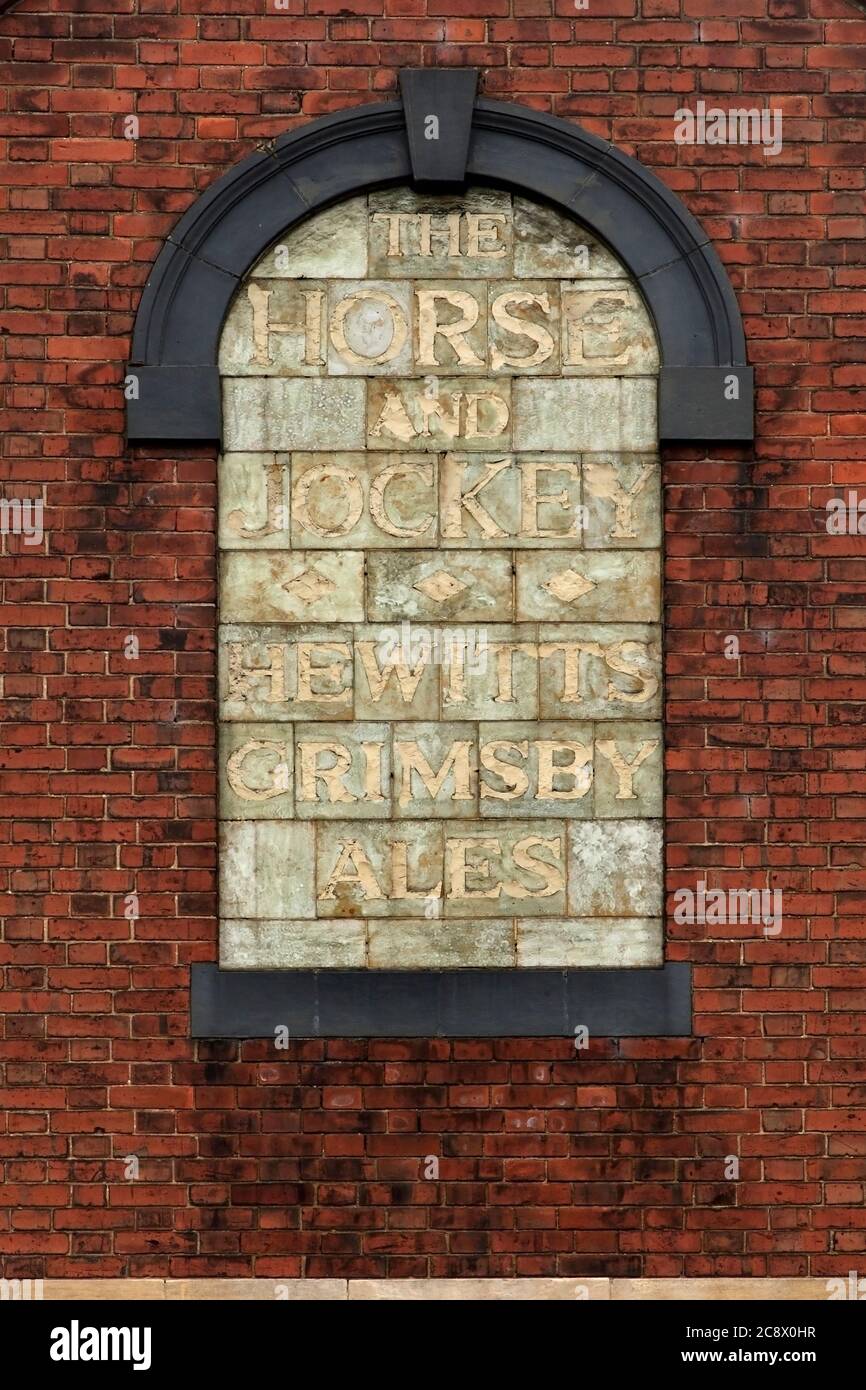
(175, 358)
(705, 387)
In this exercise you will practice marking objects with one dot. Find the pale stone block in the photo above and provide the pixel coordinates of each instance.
(375, 869)
(600, 943)
(103, 1290)
(275, 328)
(622, 501)
(495, 679)
(280, 944)
(256, 772)
(370, 328)
(284, 413)
(528, 500)
(292, 587)
(601, 413)
(435, 770)
(639, 405)
(450, 327)
(604, 671)
(492, 1290)
(343, 771)
(274, 673)
(464, 236)
(331, 244)
(606, 331)
(461, 586)
(629, 770)
(266, 869)
(495, 869)
(616, 869)
(524, 330)
(589, 586)
(254, 502)
(350, 500)
(454, 412)
(394, 679)
(548, 243)
(436, 945)
(535, 769)
(248, 1290)
(723, 1290)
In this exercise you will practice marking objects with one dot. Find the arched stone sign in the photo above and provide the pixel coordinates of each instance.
(438, 402)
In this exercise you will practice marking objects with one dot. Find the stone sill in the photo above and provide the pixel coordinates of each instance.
(540, 1290)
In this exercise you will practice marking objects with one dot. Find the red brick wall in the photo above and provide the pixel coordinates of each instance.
(311, 1162)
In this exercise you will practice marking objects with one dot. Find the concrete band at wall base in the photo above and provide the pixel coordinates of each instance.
(440, 1004)
(429, 1290)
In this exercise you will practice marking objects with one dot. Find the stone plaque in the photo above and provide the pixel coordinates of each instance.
(440, 596)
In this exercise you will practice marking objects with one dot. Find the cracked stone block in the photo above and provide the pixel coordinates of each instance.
(524, 328)
(275, 328)
(622, 501)
(370, 328)
(495, 679)
(451, 333)
(332, 244)
(375, 869)
(528, 500)
(606, 331)
(497, 868)
(395, 677)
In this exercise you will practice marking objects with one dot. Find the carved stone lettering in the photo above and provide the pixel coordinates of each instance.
(440, 680)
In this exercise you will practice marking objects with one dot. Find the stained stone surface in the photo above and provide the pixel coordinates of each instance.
(622, 943)
(440, 413)
(599, 670)
(292, 586)
(598, 586)
(286, 413)
(440, 682)
(616, 869)
(256, 763)
(603, 413)
(431, 944)
(462, 586)
(373, 500)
